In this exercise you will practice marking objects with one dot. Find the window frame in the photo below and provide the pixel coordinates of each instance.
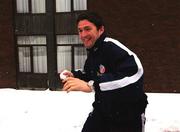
(31, 47)
(72, 47)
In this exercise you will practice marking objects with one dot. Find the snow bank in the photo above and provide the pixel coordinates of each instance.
(57, 111)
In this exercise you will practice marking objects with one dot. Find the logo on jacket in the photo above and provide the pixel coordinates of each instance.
(102, 69)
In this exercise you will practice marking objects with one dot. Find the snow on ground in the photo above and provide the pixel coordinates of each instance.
(57, 111)
(163, 112)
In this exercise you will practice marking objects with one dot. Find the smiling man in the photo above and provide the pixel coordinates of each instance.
(115, 73)
(89, 33)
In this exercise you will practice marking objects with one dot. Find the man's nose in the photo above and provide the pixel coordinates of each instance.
(83, 34)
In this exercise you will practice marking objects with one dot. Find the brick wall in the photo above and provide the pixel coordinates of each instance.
(7, 48)
(152, 30)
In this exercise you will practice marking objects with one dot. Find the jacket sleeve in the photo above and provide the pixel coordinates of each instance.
(80, 74)
(124, 68)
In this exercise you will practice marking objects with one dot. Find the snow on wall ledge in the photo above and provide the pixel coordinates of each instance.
(57, 111)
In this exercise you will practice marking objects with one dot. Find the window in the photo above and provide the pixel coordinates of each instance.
(68, 46)
(80, 5)
(22, 6)
(24, 59)
(70, 5)
(80, 57)
(35, 34)
(63, 5)
(64, 58)
(37, 6)
(32, 54)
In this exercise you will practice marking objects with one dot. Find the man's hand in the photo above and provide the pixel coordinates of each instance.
(75, 84)
(64, 74)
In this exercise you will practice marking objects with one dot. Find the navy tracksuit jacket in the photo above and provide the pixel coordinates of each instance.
(118, 79)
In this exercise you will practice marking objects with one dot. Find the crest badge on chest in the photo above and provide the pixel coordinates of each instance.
(102, 69)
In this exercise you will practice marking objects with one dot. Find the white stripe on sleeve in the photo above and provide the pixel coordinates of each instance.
(126, 80)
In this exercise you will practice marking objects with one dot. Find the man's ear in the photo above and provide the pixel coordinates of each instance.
(101, 29)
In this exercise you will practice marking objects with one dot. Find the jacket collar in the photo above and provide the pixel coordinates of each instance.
(98, 43)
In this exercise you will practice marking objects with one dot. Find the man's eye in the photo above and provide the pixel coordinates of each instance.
(87, 29)
(79, 31)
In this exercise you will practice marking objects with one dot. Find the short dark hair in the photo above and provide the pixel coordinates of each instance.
(92, 17)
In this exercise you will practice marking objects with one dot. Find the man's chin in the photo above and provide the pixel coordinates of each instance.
(88, 46)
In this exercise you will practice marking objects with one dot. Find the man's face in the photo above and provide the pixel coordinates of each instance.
(88, 33)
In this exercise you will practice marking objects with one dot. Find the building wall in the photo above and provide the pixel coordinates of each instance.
(151, 28)
(7, 47)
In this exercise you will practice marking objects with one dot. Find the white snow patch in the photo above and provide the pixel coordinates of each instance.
(58, 111)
